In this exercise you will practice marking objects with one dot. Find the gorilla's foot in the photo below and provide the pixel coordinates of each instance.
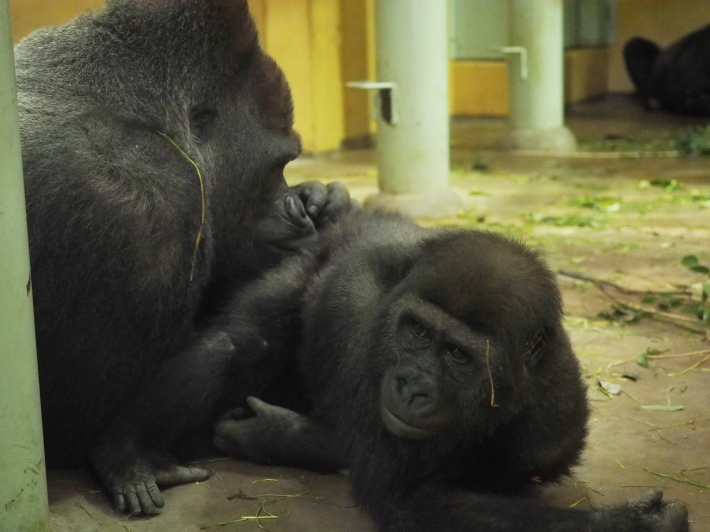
(132, 476)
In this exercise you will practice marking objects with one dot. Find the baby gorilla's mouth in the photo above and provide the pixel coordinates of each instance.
(401, 428)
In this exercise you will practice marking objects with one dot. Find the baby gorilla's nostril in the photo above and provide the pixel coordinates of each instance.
(419, 400)
(401, 386)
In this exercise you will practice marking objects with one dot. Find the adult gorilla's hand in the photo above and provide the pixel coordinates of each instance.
(324, 203)
(132, 475)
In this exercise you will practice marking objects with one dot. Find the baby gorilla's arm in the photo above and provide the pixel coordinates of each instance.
(278, 436)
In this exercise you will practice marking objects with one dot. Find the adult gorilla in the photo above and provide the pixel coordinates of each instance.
(437, 371)
(676, 79)
(154, 135)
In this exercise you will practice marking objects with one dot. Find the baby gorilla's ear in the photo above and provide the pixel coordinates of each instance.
(535, 347)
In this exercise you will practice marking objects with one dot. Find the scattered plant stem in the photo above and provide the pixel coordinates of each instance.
(490, 375)
(599, 154)
(604, 287)
(78, 505)
(691, 368)
(681, 355)
(629, 395)
(586, 485)
(580, 500)
(198, 238)
(691, 422)
(662, 408)
(683, 480)
(699, 352)
(282, 496)
(600, 283)
(640, 421)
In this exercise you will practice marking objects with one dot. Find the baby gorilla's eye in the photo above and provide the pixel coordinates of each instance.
(420, 331)
(456, 355)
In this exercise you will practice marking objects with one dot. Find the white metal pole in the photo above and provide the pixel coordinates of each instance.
(413, 116)
(23, 482)
(536, 72)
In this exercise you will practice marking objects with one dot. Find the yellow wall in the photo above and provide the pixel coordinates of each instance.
(478, 88)
(586, 73)
(357, 63)
(28, 15)
(321, 44)
(303, 36)
(481, 87)
(662, 21)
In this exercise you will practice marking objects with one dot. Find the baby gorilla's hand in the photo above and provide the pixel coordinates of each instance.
(258, 437)
(650, 512)
(325, 203)
(284, 228)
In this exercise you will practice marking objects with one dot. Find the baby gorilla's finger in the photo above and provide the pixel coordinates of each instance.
(648, 500)
(231, 437)
(674, 516)
(260, 407)
(238, 413)
(314, 195)
(337, 204)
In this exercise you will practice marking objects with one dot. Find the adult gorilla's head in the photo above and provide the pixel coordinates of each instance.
(463, 334)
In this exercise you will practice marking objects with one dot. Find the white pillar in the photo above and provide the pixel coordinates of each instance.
(23, 483)
(536, 73)
(413, 134)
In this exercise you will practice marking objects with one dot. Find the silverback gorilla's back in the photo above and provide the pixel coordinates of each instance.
(123, 262)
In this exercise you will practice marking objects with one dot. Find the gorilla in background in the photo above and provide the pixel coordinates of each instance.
(154, 136)
(676, 79)
(435, 367)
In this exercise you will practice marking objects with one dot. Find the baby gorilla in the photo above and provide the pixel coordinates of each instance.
(431, 363)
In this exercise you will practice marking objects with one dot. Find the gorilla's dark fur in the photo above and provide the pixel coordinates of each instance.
(436, 368)
(676, 79)
(124, 268)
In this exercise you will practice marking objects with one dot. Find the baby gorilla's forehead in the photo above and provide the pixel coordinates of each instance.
(491, 284)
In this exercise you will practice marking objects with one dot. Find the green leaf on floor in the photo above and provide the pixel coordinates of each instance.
(663, 408)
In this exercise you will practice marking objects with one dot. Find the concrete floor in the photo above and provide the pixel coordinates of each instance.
(634, 235)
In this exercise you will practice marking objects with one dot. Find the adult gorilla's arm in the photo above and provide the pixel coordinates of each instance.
(226, 362)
